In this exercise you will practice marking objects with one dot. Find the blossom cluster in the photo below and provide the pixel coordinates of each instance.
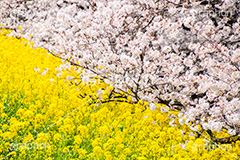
(35, 122)
(182, 53)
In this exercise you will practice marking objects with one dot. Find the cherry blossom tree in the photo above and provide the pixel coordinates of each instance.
(183, 53)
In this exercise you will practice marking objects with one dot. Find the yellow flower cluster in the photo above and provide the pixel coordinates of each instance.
(42, 116)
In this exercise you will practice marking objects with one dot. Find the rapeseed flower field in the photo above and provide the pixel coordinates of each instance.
(44, 116)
